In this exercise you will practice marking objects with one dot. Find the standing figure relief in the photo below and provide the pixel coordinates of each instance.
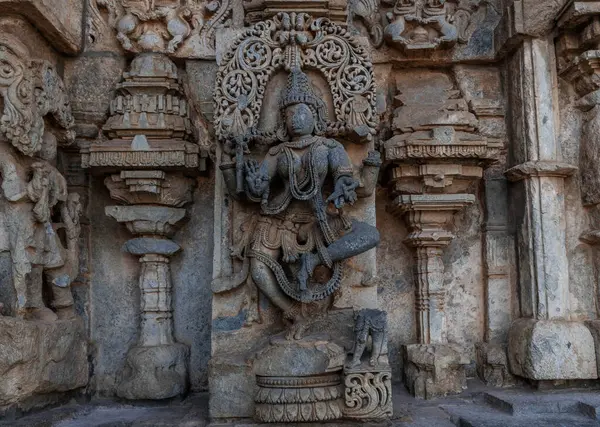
(295, 231)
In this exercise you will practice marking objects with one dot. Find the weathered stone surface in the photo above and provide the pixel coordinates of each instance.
(434, 370)
(60, 21)
(154, 372)
(551, 350)
(39, 358)
(483, 112)
(492, 365)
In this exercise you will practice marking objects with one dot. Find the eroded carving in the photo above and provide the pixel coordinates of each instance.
(160, 25)
(37, 206)
(367, 11)
(374, 323)
(429, 24)
(30, 89)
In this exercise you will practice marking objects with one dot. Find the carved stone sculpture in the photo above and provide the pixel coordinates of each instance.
(374, 323)
(367, 11)
(429, 24)
(306, 235)
(294, 181)
(368, 385)
(32, 186)
(162, 26)
(294, 230)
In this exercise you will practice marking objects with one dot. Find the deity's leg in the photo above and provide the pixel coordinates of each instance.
(359, 239)
(267, 282)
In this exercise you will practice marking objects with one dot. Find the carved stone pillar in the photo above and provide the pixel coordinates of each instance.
(157, 366)
(538, 202)
(434, 167)
(428, 218)
(578, 63)
(148, 155)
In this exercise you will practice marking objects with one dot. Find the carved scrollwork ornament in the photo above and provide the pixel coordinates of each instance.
(295, 41)
(30, 89)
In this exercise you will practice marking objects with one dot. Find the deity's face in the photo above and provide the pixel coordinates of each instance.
(299, 120)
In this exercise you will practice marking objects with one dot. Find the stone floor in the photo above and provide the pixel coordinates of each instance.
(479, 407)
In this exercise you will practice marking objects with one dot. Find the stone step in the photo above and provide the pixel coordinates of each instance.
(482, 416)
(520, 403)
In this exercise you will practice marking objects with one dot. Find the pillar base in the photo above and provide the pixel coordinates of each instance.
(551, 350)
(492, 365)
(434, 370)
(155, 372)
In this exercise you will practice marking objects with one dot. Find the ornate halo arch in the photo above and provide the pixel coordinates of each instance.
(284, 42)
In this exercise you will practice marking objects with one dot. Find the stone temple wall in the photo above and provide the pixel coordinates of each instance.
(142, 256)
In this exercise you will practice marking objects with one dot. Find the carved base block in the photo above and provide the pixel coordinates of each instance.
(551, 350)
(434, 370)
(368, 392)
(38, 358)
(299, 380)
(156, 372)
(492, 365)
(299, 399)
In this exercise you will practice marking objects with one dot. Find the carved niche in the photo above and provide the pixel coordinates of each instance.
(294, 235)
(185, 29)
(417, 25)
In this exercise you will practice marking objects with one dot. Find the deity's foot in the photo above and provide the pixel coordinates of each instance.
(308, 263)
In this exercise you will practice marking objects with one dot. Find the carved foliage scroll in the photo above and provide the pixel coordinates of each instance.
(295, 41)
(30, 90)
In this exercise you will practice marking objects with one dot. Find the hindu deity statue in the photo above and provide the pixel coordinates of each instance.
(302, 186)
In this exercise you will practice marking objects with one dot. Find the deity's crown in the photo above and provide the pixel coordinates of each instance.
(299, 90)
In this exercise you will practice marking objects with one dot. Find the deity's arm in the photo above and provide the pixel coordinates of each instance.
(258, 177)
(339, 161)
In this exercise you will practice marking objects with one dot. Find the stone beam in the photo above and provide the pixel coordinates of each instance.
(60, 21)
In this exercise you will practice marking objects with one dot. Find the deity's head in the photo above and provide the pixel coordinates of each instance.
(303, 112)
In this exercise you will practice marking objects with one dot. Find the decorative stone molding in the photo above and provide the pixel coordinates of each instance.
(149, 125)
(422, 25)
(436, 154)
(185, 29)
(308, 392)
(261, 10)
(428, 217)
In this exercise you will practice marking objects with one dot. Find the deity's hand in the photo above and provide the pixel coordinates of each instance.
(256, 179)
(344, 192)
